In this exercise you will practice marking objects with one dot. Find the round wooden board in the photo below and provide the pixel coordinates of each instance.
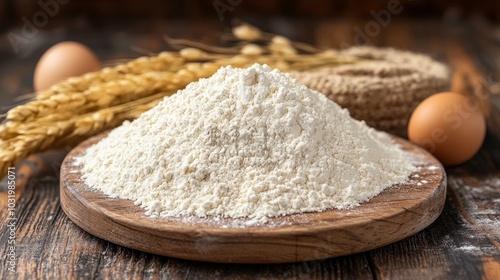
(394, 214)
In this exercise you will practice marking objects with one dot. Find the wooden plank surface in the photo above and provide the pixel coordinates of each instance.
(463, 243)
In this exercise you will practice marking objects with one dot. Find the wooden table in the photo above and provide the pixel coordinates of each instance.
(462, 244)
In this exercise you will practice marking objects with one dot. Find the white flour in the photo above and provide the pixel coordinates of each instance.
(250, 143)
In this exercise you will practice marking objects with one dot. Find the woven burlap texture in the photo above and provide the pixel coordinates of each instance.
(384, 92)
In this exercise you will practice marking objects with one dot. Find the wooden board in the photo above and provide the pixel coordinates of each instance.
(396, 213)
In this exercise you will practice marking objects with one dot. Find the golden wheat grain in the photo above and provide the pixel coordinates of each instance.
(246, 32)
(40, 136)
(14, 149)
(252, 50)
(164, 61)
(128, 87)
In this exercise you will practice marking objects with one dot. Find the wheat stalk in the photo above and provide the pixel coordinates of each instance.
(165, 61)
(127, 88)
(32, 138)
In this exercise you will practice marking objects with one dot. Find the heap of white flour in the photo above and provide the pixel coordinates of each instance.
(245, 143)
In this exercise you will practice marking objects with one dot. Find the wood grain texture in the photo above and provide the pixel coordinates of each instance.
(396, 213)
(461, 244)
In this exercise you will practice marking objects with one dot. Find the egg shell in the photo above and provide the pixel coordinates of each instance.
(64, 60)
(449, 125)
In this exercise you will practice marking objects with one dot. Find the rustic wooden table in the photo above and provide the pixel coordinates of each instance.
(462, 244)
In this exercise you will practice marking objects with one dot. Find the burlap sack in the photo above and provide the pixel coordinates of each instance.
(382, 93)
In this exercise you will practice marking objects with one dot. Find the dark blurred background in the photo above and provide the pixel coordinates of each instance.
(11, 11)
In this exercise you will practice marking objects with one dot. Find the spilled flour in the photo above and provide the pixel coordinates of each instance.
(251, 143)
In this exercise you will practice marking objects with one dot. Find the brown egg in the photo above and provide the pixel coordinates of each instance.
(449, 125)
(64, 60)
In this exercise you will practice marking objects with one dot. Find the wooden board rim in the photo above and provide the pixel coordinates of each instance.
(161, 228)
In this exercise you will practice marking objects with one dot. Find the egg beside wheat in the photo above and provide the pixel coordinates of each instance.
(64, 60)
